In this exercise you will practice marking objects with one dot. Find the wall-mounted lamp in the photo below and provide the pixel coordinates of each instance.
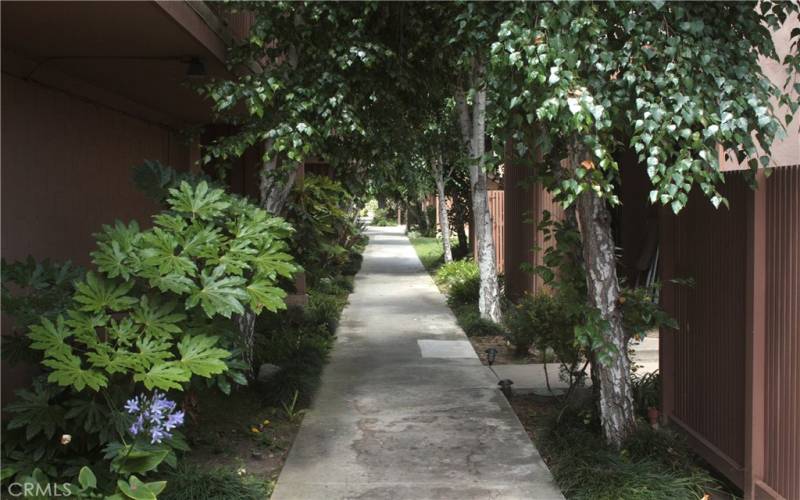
(196, 68)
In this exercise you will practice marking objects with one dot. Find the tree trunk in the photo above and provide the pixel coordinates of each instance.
(444, 223)
(274, 189)
(247, 329)
(616, 395)
(426, 217)
(473, 131)
(275, 186)
(461, 232)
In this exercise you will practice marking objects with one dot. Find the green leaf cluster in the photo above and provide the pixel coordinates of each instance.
(145, 313)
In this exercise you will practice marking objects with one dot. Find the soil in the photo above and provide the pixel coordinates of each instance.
(506, 354)
(240, 432)
(529, 410)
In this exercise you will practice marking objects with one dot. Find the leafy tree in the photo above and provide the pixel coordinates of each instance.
(671, 81)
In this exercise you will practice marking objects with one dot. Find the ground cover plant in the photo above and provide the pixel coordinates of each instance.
(652, 464)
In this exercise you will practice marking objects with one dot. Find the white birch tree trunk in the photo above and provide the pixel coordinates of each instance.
(473, 130)
(444, 222)
(616, 394)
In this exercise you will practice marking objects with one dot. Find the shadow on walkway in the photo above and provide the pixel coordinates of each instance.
(396, 418)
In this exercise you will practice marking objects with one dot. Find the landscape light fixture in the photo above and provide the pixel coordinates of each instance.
(505, 387)
(491, 355)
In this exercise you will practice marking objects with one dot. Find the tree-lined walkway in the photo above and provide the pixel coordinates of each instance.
(405, 409)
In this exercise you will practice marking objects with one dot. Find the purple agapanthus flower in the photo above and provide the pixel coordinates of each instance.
(154, 416)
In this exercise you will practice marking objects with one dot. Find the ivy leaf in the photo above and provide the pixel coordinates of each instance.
(164, 376)
(199, 356)
(97, 294)
(67, 372)
(218, 294)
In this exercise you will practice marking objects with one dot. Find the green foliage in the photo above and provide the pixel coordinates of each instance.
(469, 319)
(216, 254)
(646, 392)
(321, 212)
(384, 217)
(299, 339)
(323, 309)
(670, 81)
(460, 280)
(541, 321)
(651, 465)
(32, 291)
(189, 483)
(430, 252)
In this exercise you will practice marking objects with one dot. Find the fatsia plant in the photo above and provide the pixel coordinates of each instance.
(148, 312)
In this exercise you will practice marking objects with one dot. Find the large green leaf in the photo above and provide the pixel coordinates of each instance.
(133, 459)
(136, 489)
(199, 356)
(263, 295)
(67, 371)
(158, 319)
(219, 294)
(51, 337)
(200, 202)
(97, 294)
(34, 410)
(164, 376)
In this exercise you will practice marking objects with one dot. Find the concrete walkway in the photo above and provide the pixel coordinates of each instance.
(405, 409)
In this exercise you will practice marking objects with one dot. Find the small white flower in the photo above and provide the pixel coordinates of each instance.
(241, 471)
(66, 439)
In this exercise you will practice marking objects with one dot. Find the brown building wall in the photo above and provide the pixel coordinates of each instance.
(525, 202)
(66, 170)
(496, 208)
(781, 468)
(703, 361)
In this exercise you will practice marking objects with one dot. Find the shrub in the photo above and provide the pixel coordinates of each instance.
(461, 281)
(646, 392)
(300, 349)
(326, 230)
(652, 464)
(156, 313)
(323, 310)
(31, 291)
(469, 319)
(536, 319)
(383, 217)
(189, 483)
